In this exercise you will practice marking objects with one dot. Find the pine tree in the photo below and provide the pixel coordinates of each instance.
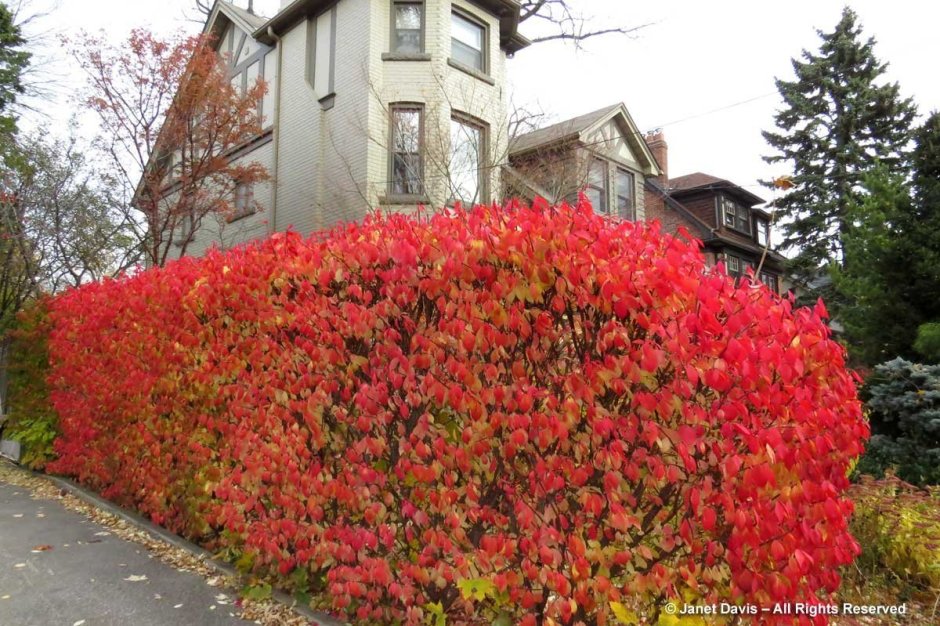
(889, 280)
(13, 62)
(836, 123)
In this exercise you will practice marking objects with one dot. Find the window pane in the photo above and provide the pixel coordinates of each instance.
(405, 134)
(406, 170)
(467, 42)
(466, 32)
(406, 151)
(728, 210)
(466, 143)
(407, 38)
(762, 232)
(408, 16)
(624, 194)
(597, 187)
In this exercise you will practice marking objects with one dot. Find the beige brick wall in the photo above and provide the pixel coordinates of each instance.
(442, 89)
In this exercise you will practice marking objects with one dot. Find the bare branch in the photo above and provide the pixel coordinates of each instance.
(563, 22)
(581, 36)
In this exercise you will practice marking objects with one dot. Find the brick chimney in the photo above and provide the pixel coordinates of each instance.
(657, 145)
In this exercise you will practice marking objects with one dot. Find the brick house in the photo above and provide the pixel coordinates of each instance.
(625, 174)
(725, 216)
(601, 153)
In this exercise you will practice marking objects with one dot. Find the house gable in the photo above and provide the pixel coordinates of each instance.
(616, 136)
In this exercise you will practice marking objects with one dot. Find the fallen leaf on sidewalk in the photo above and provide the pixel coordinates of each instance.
(135, 578)
(177, 606)
(19, 565)
(42, 548)
(79, 622)
(17, 515)
(6, 597)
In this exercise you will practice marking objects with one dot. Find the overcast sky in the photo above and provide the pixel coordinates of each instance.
(702, 71)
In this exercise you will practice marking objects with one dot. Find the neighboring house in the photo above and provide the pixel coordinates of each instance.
(720, 213)
(370, 103)
(602, 153)
(400, 103)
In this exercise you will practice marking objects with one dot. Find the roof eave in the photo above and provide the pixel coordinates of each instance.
(506, 10)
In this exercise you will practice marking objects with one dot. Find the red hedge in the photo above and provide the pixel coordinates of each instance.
(506, 413)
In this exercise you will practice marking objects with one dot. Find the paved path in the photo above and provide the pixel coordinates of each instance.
(86, 576)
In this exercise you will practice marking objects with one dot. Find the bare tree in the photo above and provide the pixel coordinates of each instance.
(172, 121)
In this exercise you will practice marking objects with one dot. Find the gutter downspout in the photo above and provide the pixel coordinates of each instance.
(272, 223)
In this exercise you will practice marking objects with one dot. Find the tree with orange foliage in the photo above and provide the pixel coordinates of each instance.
(171, 122)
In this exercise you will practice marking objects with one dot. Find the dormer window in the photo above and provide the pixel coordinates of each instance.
(407, 27)
(468, 42)
(735, 215)
(763, 231)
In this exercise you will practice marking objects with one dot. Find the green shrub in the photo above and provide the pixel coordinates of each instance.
(898, 527)
(927, 343)
(903, 402)
(32, 421)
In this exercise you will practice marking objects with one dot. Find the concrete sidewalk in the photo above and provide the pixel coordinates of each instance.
(59, 568)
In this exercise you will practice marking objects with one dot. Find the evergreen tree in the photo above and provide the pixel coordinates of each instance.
(890, 276)
(836, 122)
(13, 62)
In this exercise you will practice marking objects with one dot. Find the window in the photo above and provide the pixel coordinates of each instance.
(770, 280)
(242, 201)
(596, 190)
(625, 191)
(468, 42)
(734, 265)
(735, 215)
(407, 170)
(763, 231)
(407, 27)
(467, 161)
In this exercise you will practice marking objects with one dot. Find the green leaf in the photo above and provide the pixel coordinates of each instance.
(259, 591)
(477, 588)
(623, 614)
(436, 613)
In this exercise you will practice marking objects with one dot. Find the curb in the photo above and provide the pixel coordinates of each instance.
(178, 542)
